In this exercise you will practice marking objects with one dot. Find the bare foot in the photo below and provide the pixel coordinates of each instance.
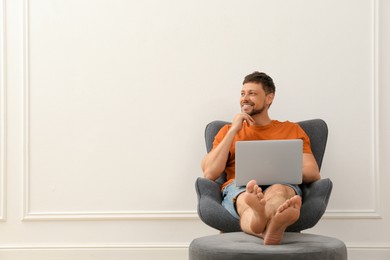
(286, 214)
(254, 199)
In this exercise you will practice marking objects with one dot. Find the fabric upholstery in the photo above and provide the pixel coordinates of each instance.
(315, 195)
(294, 246)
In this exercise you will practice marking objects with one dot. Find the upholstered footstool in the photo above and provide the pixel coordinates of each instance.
(241, 246)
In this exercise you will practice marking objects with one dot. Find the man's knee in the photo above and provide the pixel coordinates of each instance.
(280, 190)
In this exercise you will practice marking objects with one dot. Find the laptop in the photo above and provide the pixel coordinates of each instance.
(269, 161)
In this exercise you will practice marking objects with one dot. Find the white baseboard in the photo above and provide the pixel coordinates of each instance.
(364, 252)
(94, 253)
(145, 252)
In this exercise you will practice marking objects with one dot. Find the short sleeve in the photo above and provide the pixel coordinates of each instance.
(220, 135)
(306, 140)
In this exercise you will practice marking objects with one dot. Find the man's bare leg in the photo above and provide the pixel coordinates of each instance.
(251, 208)
(285, 215)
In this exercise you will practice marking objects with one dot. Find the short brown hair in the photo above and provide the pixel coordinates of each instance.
(263, 79)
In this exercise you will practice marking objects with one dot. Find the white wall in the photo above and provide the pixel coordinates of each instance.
(103, 106)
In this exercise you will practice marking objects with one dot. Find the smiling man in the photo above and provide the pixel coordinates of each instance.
(264, 211)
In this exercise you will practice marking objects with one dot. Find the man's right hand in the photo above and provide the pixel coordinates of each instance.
(239, 119)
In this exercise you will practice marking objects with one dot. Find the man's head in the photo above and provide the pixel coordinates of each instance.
(257, 93)
(261, 78)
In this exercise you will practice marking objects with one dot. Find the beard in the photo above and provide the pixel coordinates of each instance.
(257, 111)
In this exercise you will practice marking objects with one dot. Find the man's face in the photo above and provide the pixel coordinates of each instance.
(253, 99)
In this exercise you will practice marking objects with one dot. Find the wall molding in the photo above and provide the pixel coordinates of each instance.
(110, 215)
(26, 114)
(352, 214)
(29, 214)
(374, 213)
(352, 246)
(2, 112)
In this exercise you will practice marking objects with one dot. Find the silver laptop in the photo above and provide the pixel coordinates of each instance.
(269, 161)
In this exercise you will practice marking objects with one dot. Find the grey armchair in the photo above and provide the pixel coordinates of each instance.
(315, 195)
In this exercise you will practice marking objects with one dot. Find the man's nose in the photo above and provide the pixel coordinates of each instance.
(244, 97)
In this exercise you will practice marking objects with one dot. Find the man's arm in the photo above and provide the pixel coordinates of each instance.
(214, 163)
(310, 170)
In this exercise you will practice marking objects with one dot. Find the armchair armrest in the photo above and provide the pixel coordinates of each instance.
(210, 209)
(315, 199)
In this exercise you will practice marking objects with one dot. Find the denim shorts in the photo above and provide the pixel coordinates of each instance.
(231, 192)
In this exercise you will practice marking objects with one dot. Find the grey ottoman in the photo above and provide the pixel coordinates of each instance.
(241, 246)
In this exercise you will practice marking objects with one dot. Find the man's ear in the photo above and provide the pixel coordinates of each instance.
(270, 98)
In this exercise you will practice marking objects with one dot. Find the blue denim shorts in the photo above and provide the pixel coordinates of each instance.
(231, 192)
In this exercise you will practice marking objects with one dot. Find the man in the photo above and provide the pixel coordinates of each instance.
(265, 212)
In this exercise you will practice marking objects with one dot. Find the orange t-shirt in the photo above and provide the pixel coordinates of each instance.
(274, 131)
